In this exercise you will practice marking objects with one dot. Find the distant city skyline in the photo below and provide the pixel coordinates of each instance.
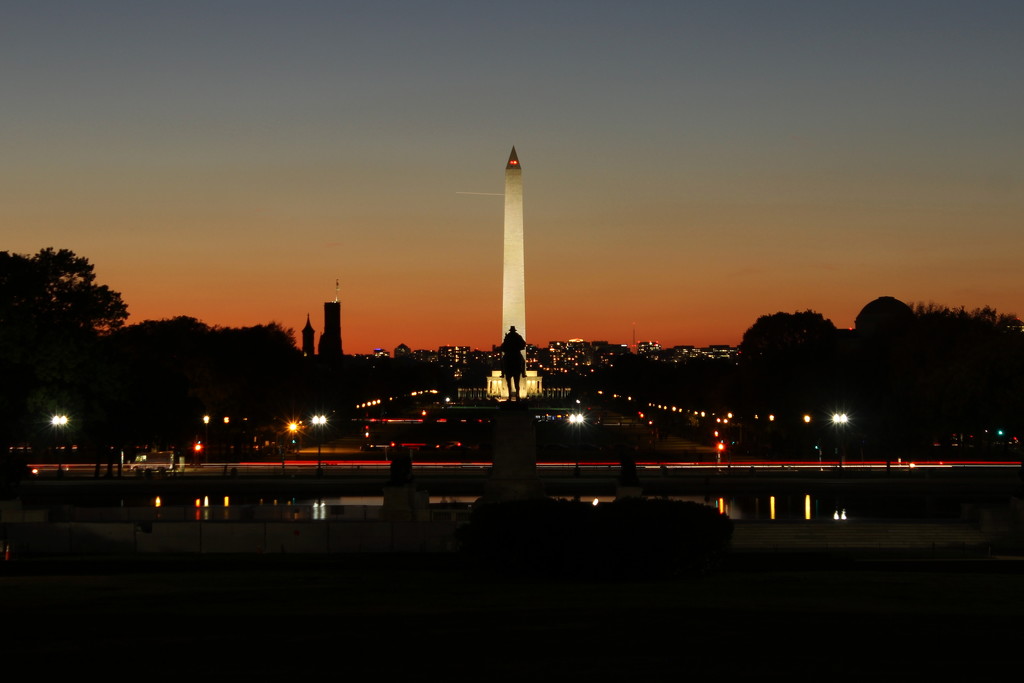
(691, 166)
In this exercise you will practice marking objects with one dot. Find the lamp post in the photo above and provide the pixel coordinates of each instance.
(319, 421)
(206, 436)
(293, 429)
(839, 421)
(59, 423)
(576, 420)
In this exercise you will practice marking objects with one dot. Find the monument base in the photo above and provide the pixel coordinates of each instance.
(514, 472)
(529, 387)
(405, 504)
(628, 492)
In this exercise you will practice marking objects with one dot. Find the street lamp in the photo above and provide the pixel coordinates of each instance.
(319, 421)
(576, 420)
(206, 436)
(59, 423)
(839, 421)
(293, 429)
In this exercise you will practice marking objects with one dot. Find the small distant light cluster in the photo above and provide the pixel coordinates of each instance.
(377, 401)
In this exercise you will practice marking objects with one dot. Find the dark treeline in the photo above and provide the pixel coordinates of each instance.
(65, 349)
(170, 373)
(927, 380)
(907, 378)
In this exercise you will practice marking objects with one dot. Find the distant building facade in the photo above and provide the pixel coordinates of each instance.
(648, 348)
(453, 356)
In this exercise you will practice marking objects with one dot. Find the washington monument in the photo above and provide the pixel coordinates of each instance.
(513, 298)
(513, 289)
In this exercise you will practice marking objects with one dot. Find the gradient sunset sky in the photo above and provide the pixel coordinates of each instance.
(687, 166)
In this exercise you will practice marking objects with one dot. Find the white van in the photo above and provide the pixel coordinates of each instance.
(153, 461)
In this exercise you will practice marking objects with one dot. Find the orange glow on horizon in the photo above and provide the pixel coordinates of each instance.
(192, 197)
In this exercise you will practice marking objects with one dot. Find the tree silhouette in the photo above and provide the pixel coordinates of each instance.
(955, 371)
(176, 370)
(52, 314)
(787, 334)
(788, 367)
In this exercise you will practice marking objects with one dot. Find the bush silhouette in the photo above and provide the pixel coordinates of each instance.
(629, 538)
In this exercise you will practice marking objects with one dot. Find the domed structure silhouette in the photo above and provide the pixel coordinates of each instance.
(884, 315)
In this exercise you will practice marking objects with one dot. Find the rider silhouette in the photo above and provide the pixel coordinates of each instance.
(513, 364)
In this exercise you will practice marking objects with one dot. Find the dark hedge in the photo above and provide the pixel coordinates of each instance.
(630, 538)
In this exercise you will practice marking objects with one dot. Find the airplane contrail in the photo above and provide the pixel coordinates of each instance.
(489, 194)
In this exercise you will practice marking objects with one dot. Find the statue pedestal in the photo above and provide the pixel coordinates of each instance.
(405, 504)
(514, 473)
(625, 491)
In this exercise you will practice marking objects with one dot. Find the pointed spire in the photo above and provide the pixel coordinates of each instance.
(308, 339)
(513, 160)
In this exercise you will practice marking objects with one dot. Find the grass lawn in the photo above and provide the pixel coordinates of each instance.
(430, 617)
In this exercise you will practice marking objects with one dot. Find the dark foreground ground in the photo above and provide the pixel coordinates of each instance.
(431, 618)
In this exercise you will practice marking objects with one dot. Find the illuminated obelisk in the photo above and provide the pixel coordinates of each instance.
(513, 286)
(514, 466)
(513, 282)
